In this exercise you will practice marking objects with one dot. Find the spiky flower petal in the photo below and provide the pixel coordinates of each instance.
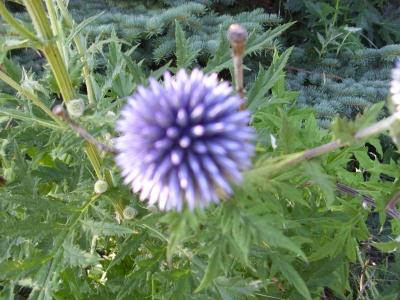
(183, 143)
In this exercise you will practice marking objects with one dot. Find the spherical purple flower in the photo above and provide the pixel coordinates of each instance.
(183, 143)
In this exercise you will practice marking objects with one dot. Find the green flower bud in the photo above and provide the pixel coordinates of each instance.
(129, 213)
(100, 187)
(76, 107)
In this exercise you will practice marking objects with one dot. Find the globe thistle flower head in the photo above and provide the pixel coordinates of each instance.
(183, 143)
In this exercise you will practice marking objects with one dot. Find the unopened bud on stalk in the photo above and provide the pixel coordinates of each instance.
(100, 187)
(238, 36)
(129, 213)
(76, 107)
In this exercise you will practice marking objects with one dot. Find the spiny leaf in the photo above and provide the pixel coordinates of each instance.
(236, 287)
(213, 267)
(76, 257)
(318, 176)
(24, 171)
(129, 247)
(77, 28)
(142, 268)
(293, 277)
(184, 56)
(105, 228)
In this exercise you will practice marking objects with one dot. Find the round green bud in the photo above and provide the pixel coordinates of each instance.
(100, 187)
(76, 107)
(129, 213)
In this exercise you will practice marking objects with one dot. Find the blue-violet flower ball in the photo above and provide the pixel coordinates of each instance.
(183, 143)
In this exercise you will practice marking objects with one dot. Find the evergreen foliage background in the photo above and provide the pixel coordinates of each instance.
(287, 232)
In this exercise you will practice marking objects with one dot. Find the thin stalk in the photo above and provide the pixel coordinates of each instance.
(79, 46)
(59, 111)
(30, 96)
(95, 159)
(55, 27)
(39, 18)
(238, 36)
(373, 289)
(390, 208)
(372, 130)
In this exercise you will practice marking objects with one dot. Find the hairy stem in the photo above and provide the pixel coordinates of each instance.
(59, 111)
(79, 46)
(390, 208)
(363, 134)
(14, 23)
(39, 18)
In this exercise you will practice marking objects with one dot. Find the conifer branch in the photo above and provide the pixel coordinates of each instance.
(336, 77)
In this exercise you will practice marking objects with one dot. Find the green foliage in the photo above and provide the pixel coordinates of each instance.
(376, 20)
(285, 233)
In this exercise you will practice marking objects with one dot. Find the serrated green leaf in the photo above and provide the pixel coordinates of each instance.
(213, 266)
(128, 247)
(184, 56)
(363, 158)
(105, 228)
(236, 288)
(369, 116)
(76, 257)
(324, 269)
(293, 277)
(266, 80)
(387, 246)
(142, 268)
(314, 171)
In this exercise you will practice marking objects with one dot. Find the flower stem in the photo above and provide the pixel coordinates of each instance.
(14, 23)
(39, 18)
(390, 208)
(81, 50)
(59, 111)
(367, 132)
(238, 35)
(55, 27)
